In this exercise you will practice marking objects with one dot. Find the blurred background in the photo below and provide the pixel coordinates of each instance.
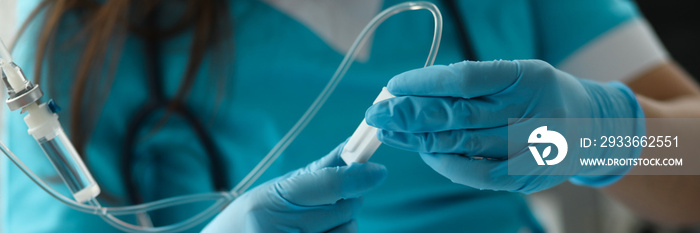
(570, 208)
(676, 22)
(566, 208)
(7, 30)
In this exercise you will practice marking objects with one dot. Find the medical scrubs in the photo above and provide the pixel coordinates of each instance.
(273, 73)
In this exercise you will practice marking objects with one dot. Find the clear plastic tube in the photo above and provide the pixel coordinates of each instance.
(339, 74)
(4, 53)
(222, 199)
(70, 167)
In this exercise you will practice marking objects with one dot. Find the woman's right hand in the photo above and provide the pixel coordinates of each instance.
(325, 196)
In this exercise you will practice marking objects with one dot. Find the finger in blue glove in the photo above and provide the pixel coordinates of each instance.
(323, 196)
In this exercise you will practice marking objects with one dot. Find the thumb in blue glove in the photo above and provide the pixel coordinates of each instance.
(325, 196)
(457, 115)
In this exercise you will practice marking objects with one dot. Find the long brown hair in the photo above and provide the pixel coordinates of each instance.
(103, 28)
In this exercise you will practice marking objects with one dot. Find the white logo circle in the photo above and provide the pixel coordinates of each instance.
(542, 135)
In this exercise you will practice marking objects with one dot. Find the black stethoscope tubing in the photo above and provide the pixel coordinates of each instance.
(467, 48)
(158, 101)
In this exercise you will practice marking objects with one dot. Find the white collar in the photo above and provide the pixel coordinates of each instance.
(336, 22)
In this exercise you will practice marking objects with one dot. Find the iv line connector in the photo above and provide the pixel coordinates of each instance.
(22, 99)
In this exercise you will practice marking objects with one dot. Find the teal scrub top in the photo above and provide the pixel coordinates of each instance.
(279, 67)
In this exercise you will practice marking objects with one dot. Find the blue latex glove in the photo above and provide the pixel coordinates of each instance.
(454, 115)
(325, 196)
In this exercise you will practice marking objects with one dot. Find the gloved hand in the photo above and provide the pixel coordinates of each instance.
(324, 196)
(458, 114)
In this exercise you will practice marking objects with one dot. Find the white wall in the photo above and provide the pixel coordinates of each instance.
(7, 30)
(7, 19)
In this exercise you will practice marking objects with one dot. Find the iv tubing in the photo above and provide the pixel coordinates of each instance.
(224, 198)
(4, 53)
(185, 199)
(339, 73)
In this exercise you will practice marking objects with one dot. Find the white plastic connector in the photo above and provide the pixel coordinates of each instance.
(363, 142)
(42, 123)
(15, 80)
(88, 193)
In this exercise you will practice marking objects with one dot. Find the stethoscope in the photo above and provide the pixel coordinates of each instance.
(157, 101)
(467, 48)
